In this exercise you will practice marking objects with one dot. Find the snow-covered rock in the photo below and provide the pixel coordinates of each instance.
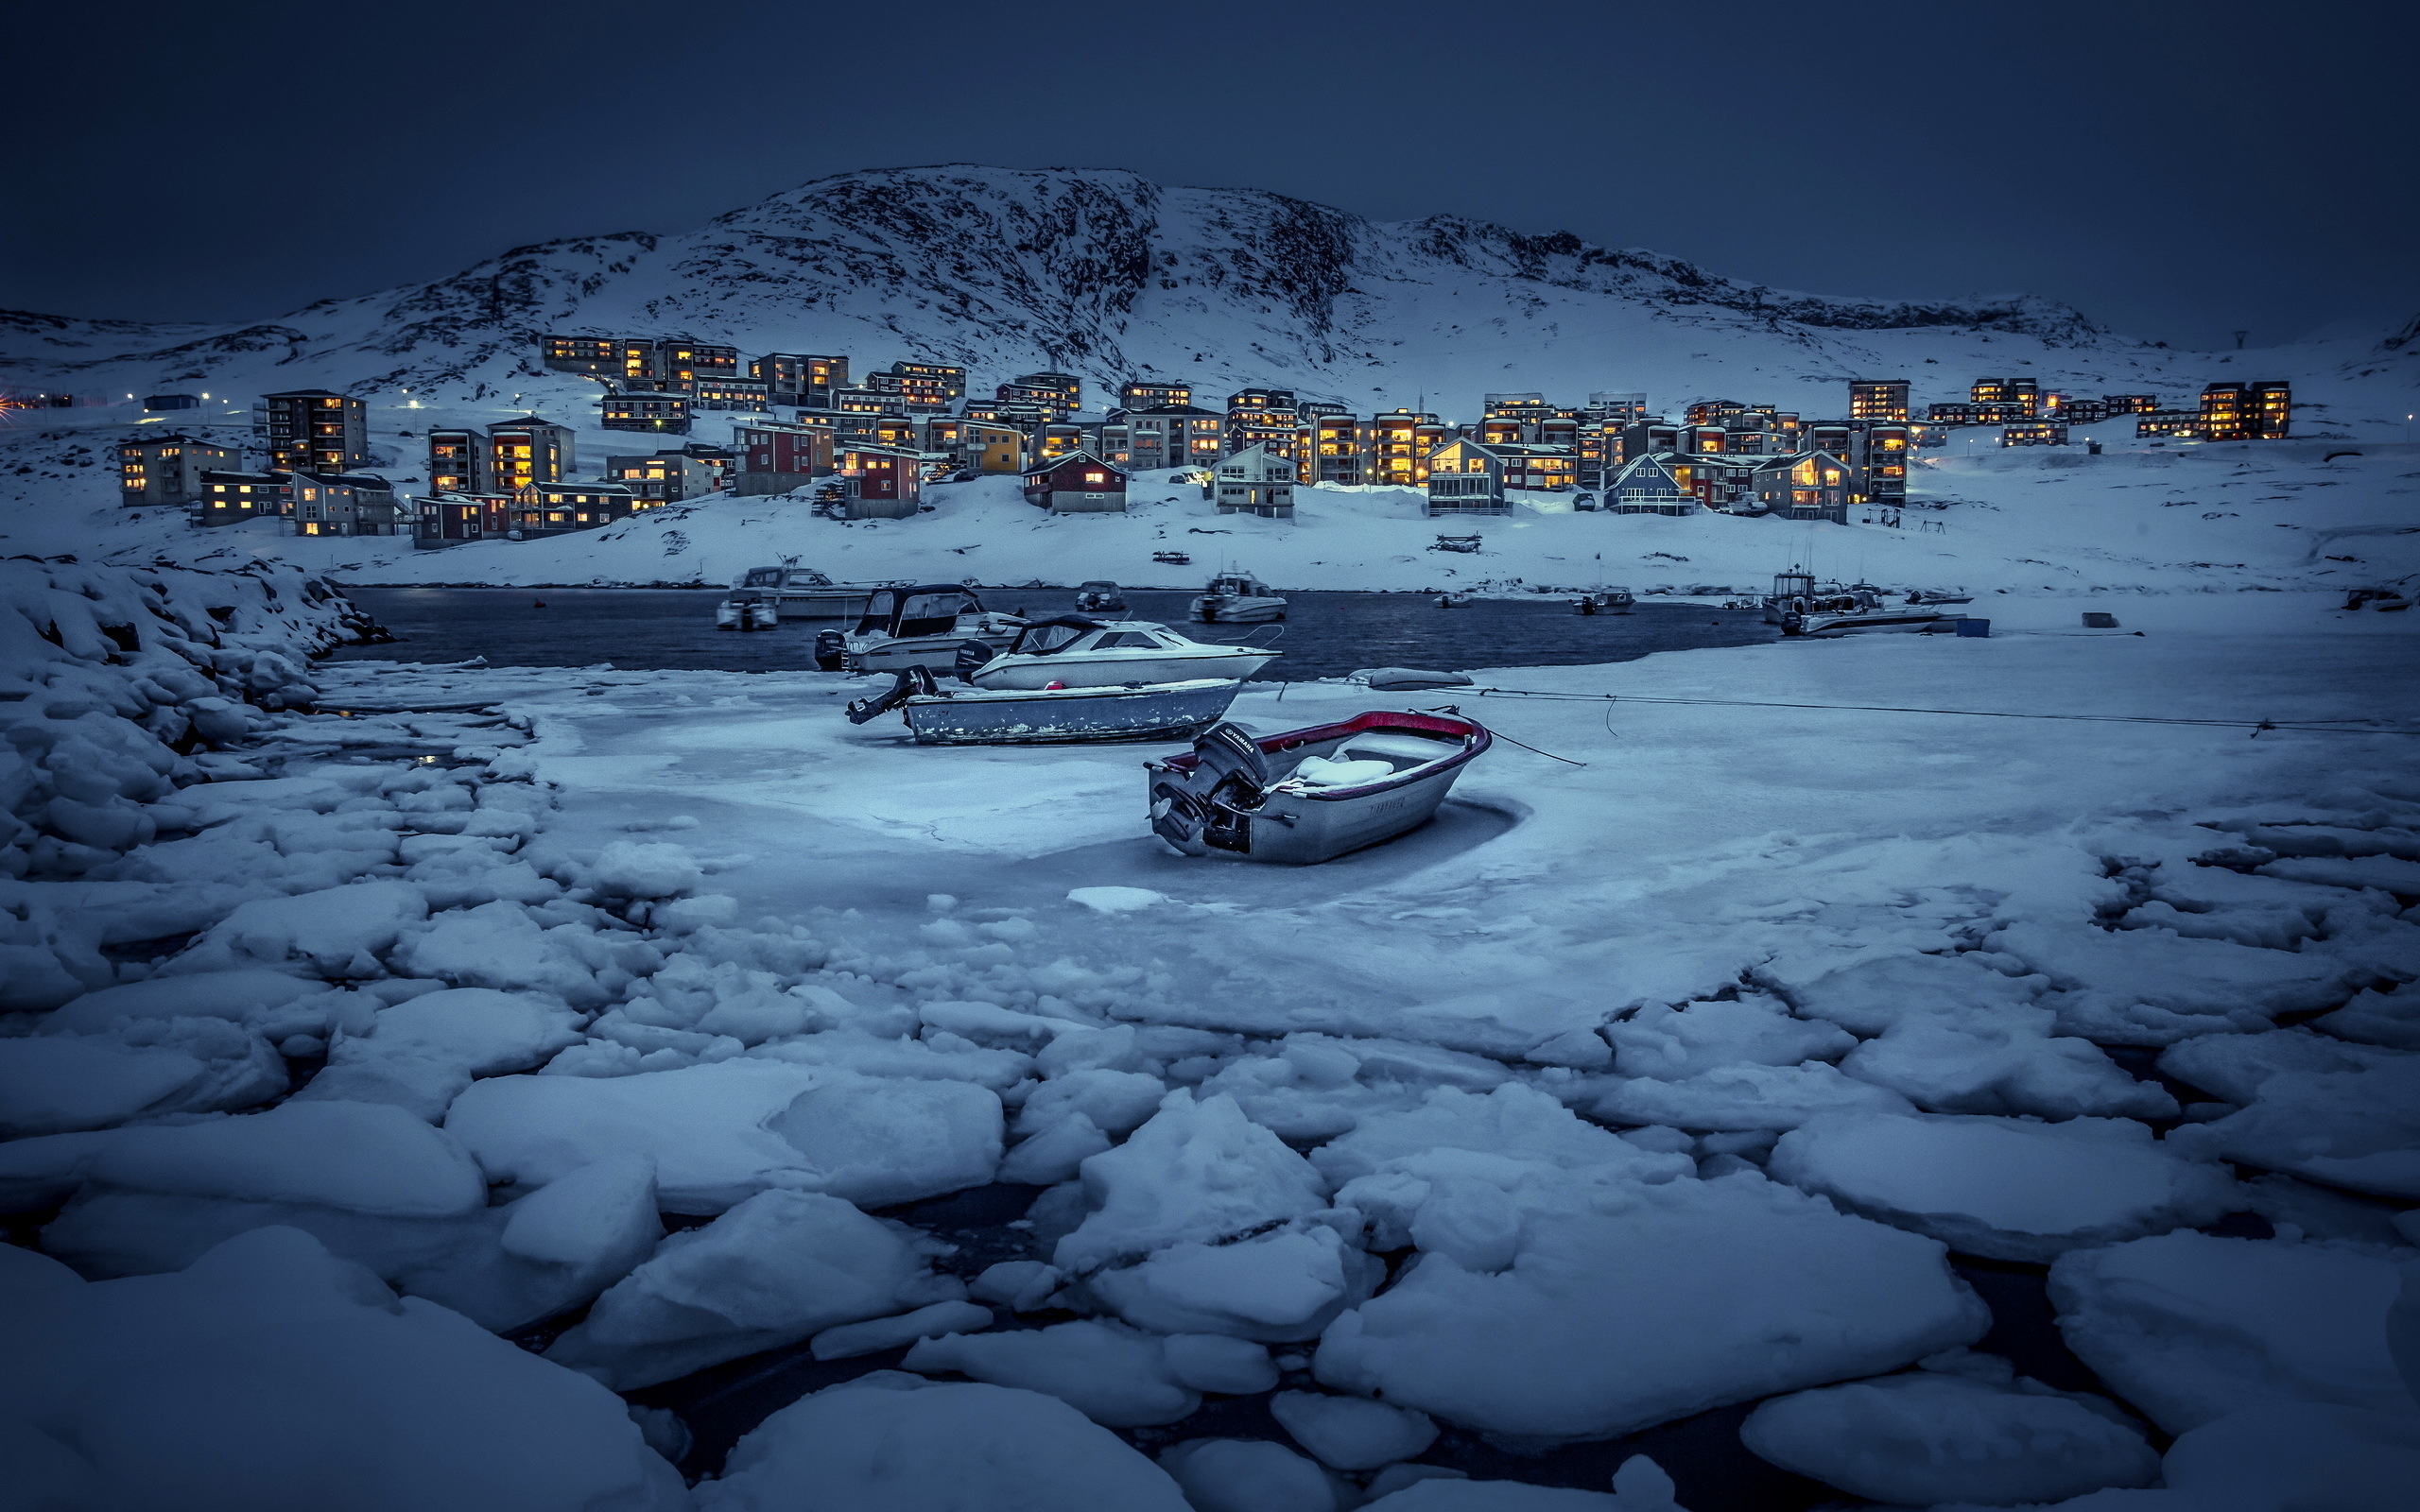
(1114, 1375)
(2189, 1327)
(2004, 1188)
(1352, 1432)
(358, 1157)
(774, 1269)
(1924, 1439)
(1648, 1304)
(889, 1444)
(57, 1083)
(722, 1132)
(239, 995)
(270, 1373)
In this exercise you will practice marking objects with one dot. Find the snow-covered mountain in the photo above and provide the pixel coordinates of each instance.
(1108, 275)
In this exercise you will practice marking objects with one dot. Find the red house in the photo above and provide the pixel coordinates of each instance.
(888, 481)
(776, 457)
(1075, 483)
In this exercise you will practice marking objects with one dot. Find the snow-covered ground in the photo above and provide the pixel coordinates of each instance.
(1660, 1079)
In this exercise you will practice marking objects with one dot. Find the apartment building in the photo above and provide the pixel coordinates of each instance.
(168, 469)
(313, 430)
(1255, 481)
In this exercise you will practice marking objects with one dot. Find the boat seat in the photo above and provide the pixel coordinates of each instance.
(1320, 771)
(1383, 746)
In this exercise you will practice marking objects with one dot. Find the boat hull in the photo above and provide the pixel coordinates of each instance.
(1826, 627)
(819, 603)
(1223, 610)
(1168, 711)
(938, 652)
(1111, 668)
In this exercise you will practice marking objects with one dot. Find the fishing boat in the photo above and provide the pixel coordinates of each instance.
(1237, 598)
(1803, 606)
(746, 610)
(1926, 595)
(919, 625)
(1606, 601)
(804, 594)
(1311, 795)
(1100, 595)
(1069, 651)
(939, 715)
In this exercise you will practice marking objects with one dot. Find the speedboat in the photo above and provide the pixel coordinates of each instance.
(1237, 598)
(1309, 795)
(1100, 595)
(1071, 651)
(939, 715)
(804, 594)
(746, 610)
(1869, 622)
(1926, 596)
(924, 625)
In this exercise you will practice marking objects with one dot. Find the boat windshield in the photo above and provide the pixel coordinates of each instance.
(1042, 640)
(1096, 585)
(761, 577)
(929, 614)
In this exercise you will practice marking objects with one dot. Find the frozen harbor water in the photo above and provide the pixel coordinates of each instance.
(1812, 1102)
(1325, 635)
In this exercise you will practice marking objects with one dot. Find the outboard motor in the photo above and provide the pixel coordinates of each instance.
(831, 652)
(973, 657)
(909, 682)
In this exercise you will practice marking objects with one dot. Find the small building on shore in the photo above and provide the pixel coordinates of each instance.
(1255, 481)
(1076, 483)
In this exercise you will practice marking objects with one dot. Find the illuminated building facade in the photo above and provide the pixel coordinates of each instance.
(724, 391)
(1466, 477)
(664, 477)
(1137, 393)
(2034, 433)
(1076, 483)
(314, 430)
(1255, 481)
(1878, 399)
(665, 414)
(231, 498)
(886, 482)
(168, 469)
(522, 452)
(2246, 412)
(776, 457)
(1809, 485)
(1173, 434)
(342, 503)
(801, 380)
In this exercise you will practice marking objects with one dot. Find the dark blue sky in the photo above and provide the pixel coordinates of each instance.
(2177, 171)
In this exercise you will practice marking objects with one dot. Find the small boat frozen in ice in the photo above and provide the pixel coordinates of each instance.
(939, 715)
(1309, 795)
(804, 594)
(1237, 598)
(924, 625)
(746, 610)
(1100, 595)
(1069, 651)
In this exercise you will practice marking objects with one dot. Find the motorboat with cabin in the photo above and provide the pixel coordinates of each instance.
(1073, 651)
(804, 594)
(914, 625)
(1098, 595)
(1237, 598)
(747, 608)
(1803, 606)
(937, 715)
(1310, 795)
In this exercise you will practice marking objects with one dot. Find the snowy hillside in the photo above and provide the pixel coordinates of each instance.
(1107, 275)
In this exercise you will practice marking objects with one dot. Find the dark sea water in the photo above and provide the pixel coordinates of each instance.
(1325, 634)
